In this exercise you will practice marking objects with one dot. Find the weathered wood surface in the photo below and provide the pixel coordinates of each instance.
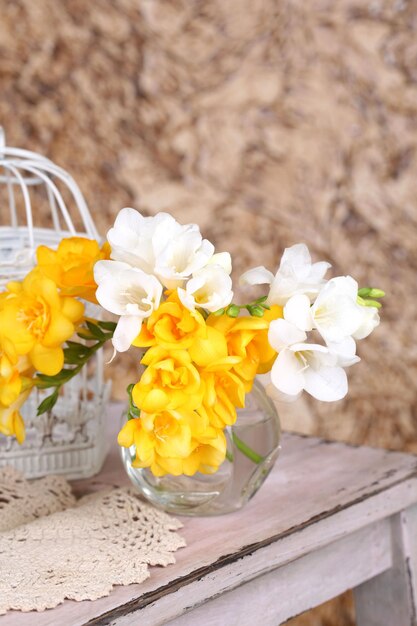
(324, 503)
(391, 597)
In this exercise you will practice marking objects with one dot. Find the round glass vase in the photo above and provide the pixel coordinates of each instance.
(253, 445)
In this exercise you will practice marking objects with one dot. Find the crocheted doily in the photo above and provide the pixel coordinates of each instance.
(108, 538)
(22, 501)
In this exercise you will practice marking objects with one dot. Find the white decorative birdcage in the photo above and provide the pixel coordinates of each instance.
(70, 439)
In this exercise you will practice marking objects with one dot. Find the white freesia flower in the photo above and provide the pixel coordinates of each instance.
(303, 366)
(159, 245)
(210, 289)
(184, 255)
(138, 240)
(336, 313)
(128, 292)
(296, 275)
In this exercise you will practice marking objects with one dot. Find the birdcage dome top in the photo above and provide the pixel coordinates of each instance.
(34, 191)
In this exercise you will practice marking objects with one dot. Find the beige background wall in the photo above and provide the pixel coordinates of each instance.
(266, 121)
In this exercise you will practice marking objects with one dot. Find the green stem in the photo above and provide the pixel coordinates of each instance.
(229, 456)
(248, 452)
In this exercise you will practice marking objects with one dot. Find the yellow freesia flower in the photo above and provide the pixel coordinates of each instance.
(37, 320)
(71, 265)
(172, 326)
(160, 440)
(173, 442)
(208, 455)
(170, 381)
(247, 338)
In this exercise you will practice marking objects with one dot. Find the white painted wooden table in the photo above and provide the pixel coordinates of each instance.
(330, 517)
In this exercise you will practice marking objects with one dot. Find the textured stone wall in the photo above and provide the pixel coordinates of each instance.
(266, 121)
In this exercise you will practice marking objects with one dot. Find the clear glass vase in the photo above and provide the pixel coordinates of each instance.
(253, 445)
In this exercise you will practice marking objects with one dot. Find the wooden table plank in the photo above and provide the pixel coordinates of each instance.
(318, 492)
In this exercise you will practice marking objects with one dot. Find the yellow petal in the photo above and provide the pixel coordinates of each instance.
(125, 436)
(48, 361)
(59, 330)
(9, 392)
(205, 351)
(154, 402)
(19, 427)
(72, 309)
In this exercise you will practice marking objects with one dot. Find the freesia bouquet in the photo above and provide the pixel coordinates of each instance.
(199, 352)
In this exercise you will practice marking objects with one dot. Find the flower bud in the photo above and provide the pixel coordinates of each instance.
(255, 310)
(233, 310)
(376, 293)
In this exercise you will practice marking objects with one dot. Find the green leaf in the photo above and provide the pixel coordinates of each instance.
(50, 380)
(76, 353)
(95, 330)
(133, 412)
(108, 326)
(74, 357)
(77, 346)
(58, 379)
(48, 403)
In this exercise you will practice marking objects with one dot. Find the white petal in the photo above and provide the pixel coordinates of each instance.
(309, 347)
(287, 373)
(318, 270)
(327, 384)
(282, 334)
(297, 311)
(257, 276)
(345, 285)
(109, 296)
(369, 321)
(345, 352)
(297, 256)
(223, 259)
(187, 299)
(105, 269)
(127, 329)
(129, 219)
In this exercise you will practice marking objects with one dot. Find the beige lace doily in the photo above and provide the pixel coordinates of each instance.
(22, 501)
(108, 538)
